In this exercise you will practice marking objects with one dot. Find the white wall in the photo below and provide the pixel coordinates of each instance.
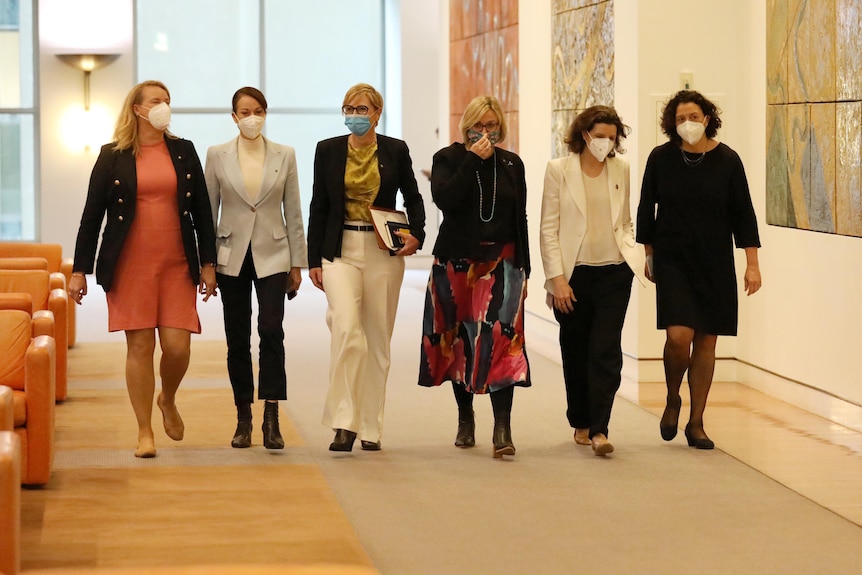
(84, 26)
(804, 325)
(534, 121)
(421, 60)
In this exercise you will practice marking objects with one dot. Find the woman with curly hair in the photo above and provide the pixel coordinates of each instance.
(694, 204)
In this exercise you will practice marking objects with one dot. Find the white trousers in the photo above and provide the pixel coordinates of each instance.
(362, 288)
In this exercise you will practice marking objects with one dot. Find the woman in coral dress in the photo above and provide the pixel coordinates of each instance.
(158, 234)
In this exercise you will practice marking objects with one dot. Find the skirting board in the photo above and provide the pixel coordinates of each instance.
(542, 338)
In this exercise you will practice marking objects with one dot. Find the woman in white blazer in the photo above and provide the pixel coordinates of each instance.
(589, 256)
(260, 241)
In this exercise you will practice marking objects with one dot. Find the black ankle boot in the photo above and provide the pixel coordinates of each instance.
(503, 439)
(242, 435)
(501, 402)
(466, 436)
(271, 435)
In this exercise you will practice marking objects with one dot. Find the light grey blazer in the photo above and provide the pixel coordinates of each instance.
(271, 224)
(564, 221)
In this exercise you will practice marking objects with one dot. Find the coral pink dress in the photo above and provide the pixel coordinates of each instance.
(152, 287)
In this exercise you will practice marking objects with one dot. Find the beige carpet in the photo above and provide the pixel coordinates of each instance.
(198, 502)
(422, 506)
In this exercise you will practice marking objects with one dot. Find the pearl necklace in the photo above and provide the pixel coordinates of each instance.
(482, 197)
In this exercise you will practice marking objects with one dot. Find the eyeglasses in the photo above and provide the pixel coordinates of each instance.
(489, 127)
(350, 110)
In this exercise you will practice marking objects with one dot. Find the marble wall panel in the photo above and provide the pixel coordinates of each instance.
(776, 52)
(848, 54)
(582, 63)
(514, 131)
(848, 181)
(798, 166)
(779, 202)
(558, 6)
(795, 12)
(508, 13)
(483, 57)
(583, 57)
(812, 37)
(560, 122)
(814, 115)
(821, 157)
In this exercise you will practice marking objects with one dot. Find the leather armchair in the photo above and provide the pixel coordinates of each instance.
(53, 254)
(10, 501)
(7, 413)
(28, 369)
(36, 283)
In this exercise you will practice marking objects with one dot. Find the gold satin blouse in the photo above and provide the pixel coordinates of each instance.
(361, 182)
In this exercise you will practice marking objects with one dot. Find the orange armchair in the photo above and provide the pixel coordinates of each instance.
(10, 502)
(7, 409)
(28, 369)
(37, 284)
(53, 254)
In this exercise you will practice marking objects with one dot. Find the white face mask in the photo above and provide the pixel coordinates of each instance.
(690, 131)
(600, 147)
(159, 116)
(250, 126)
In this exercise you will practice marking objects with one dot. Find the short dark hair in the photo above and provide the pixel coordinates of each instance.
(586, 120)
(249, 91)
(668, 114)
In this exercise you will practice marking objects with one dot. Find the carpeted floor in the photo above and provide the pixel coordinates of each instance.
(420, 506)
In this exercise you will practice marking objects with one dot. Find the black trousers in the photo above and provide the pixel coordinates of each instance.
(236, 301)
(590, 343)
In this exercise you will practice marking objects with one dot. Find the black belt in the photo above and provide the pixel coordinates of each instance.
(358, 228)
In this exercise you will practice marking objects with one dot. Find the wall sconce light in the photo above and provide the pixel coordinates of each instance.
(87, 63)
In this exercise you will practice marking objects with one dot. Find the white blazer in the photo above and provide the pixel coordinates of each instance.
(271, 224)
(564, 222)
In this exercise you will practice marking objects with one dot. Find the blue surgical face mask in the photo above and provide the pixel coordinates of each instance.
(358, 125)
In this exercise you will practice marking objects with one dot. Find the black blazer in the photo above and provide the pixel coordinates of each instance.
(326, 213)
(113, 191)
(454, 189)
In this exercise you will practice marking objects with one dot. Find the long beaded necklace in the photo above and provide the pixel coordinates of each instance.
(482, 196)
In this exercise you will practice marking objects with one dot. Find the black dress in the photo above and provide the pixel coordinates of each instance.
(692, 214)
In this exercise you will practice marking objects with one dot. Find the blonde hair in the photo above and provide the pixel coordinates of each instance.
(374, 97)
(364, 89)
(126, 130)
(477, 108)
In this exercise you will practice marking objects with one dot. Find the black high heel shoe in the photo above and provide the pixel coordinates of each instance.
(698, 442)
(343, 440)
(669, 430)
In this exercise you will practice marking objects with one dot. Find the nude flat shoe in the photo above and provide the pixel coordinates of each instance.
(582, 436)
(146, 448)
(174, 426)
(601, 445)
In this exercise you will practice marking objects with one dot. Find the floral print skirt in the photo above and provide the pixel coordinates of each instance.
(473, 329)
